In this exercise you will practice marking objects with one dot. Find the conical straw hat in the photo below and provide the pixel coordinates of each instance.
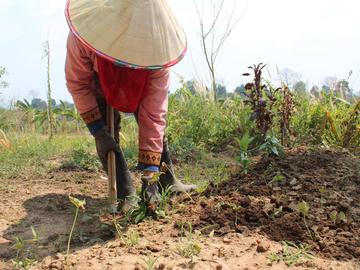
(134, 33)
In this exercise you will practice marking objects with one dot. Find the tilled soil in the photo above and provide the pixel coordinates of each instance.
(228, 223)
(327, 180)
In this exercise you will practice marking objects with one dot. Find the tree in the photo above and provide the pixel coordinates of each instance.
(29, 112)
(191, 85)
(240, 90)
(221, 91)
(62, 111)
(343, 89)
(76, 117)
(315, 91)
(211, 44)
(41, 118)
(39, 104)
(300, 87)
(196, 88)
(330, 83)
(66, 111)
(325, 89)
(289, 77)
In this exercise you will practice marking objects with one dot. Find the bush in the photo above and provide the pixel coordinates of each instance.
(82, 158)
(325, 121)
(195, 122)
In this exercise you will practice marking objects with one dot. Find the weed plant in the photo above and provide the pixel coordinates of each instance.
(304, 208)
(291, 254)
(79, 204)
(190, 247)
(24, 251)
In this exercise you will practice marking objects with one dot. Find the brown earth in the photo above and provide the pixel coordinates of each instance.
(234, 225)
(252, 202)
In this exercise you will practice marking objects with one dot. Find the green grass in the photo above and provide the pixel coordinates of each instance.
(35, 155)
(205, 170)
(81, 157)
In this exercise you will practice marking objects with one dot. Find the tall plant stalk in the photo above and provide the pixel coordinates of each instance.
(49, 99)
(79, 204)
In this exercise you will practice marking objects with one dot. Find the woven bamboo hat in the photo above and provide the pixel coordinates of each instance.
(134, 33)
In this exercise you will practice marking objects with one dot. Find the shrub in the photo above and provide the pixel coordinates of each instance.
(196, 122)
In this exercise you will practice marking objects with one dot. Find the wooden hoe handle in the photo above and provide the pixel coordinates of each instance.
(112, 162)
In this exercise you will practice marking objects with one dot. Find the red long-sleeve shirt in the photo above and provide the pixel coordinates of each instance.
(81, 69)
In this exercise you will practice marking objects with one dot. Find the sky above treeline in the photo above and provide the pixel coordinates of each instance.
(314, 38)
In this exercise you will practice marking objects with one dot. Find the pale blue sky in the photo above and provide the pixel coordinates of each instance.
(316, 38)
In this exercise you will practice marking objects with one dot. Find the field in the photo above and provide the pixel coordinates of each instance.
(277, 189)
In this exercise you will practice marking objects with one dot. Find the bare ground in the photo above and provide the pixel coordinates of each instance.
(236, 225)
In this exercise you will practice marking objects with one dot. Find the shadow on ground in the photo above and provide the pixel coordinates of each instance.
(51, 216)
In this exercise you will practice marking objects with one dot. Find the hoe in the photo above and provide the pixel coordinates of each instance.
(112, 163)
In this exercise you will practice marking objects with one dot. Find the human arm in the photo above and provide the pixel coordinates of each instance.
(79, 73)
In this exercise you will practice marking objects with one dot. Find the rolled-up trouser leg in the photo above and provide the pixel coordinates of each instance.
(124, 183)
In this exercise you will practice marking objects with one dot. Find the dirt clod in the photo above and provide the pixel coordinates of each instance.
(226, 240)
(262, 248)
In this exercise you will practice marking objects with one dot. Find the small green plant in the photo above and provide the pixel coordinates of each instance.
(243, 157)
(333, 216)
(162, 208)
(82, 158)
(342, 217)
(136, 215)
(190, 248)
(277, 179)
(322, 191)
(150, 262)
(24, 258)
(132, 238)
(278, 211)
(272, 146)
(236, 208)
(79, 204)
(304, 209)
(25, 263)
(291, 253)
(118, 228)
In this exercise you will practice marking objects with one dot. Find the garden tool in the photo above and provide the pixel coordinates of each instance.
(121, 187)
(111, 169)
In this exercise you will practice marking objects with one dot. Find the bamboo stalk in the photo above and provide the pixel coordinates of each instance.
(112, 162)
